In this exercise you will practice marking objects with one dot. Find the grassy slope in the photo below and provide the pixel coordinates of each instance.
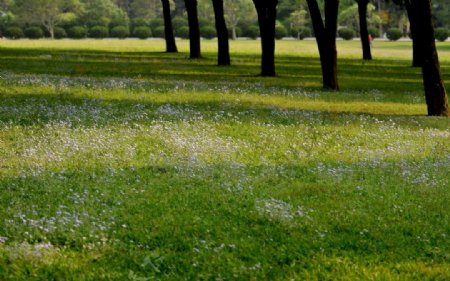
(118, 162)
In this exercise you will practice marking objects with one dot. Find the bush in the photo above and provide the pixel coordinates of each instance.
(59, 33)
(179, 22)
(159, 32)
(301, 33)
(14, 32)
(208, 32)
(98, 32)
(156, 23)
(34, 32)
(120, 32)
(280, 31)
(346, 33)
(140, 22)
(394, 34)
(252, 32)
(77, 32)
(441, 34)
(374, 32)
(182, 32)
(142, 32)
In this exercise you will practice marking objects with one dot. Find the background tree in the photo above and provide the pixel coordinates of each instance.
(102, 13)
(435, 93)
(223, 56)
(267, 15)
(171, 46)
(237, 11)
(326, 39)
(47, 13)
(194, 29)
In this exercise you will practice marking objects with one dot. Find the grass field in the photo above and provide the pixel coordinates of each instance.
(121, 162)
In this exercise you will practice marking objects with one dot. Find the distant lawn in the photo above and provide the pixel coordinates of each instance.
(121, 162)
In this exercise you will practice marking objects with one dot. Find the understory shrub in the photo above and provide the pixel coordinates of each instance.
(252, 32)
(280, 31)
(346, 33)
(14, 32)
(374, 32)
(120, 32)
(98, 32)
(301, 32)
(393, 34)
(441, 34)
(59, 33)
(77, 32)
(142, 32)
(34, 32)
(158, 32)
(208, 32)
(182, 32)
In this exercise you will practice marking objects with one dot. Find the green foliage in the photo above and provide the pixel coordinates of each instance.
(374, 32)
(140, 22)
(120, 162)
(346, 33)
(60, 33)
(77, 32)
(394, 34)
(120, 32)
(14, 32)
(208, 32)
(251, 32)
(98, 32)
(178, 22)
(441, 34)
(34, 32)
(156, 23)
(142, 32)
(280, 31)
(301, 33)
(159, 32)
(182, 32)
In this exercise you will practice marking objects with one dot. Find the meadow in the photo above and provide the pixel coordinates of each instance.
(121, 162)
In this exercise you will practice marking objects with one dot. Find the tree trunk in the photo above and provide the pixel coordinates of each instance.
(194, 28)
(435, 94)
(364, 33)
(233, 33)
(223, 56)
(416, 44)
(267, 13)
(171, 46)
(326, 40)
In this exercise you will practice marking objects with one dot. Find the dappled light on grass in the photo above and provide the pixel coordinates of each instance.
(155, 170)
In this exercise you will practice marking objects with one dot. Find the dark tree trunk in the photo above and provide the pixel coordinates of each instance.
(364, 33)
(435, 94)
(417, 52)
(223, 56)
(171, 46)
(194, 29)
(267, 14)
(326, 40)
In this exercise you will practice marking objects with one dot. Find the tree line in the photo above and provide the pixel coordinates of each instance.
(323, 16)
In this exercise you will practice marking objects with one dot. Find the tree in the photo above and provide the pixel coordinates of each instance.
(413, 20)
(326, 39)
(267, 14)
(194, 29)
(237, 11)
(171, 46)
(363, 32)
(44, 12)
(102, 12)
(435, 93)
(223, 56)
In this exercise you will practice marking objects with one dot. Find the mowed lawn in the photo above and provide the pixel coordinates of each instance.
(121, 162)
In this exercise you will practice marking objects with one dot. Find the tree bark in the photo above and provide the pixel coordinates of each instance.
(416, 44)
(326, 40)
(267, 14)
(171, 46)
(223, 56)
(435, 93)
(364, 33)
(194, 29)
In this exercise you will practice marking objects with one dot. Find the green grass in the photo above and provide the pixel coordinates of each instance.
(120, 162)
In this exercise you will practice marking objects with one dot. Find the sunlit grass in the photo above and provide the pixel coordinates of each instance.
(119, 162)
